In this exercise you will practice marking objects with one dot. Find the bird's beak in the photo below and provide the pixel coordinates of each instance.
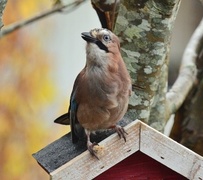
(88, 37)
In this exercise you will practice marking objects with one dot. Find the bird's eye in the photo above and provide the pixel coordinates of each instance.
(106, 38)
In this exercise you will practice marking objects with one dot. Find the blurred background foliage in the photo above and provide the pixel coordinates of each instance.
(25, 94)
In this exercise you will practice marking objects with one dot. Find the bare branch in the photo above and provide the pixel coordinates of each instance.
(188, 70)
(10, 28)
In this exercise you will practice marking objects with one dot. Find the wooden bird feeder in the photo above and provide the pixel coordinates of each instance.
(147, 154)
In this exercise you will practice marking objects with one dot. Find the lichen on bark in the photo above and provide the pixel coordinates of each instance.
(144, 27)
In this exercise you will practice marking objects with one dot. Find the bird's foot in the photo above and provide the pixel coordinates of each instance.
(121, 132)
(91, 148)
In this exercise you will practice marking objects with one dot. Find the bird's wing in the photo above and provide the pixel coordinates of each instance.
(77, 130)
(70, 118)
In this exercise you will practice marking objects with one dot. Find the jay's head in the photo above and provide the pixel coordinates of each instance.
(102, 39)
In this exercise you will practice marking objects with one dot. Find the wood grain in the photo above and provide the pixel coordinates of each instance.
(85, 166)
(75, 162)
(139, 166)
(171, 153)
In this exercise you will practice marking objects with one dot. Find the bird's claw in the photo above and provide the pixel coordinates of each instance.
(90, 147)
(121, 132)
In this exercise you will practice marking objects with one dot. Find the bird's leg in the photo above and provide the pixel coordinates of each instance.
(121, 131)
(90, 145)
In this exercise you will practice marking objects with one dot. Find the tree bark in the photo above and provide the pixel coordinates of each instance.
(145, 28)
(188, 125)
(2, 6)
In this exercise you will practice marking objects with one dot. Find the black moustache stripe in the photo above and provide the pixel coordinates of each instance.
(101, 46)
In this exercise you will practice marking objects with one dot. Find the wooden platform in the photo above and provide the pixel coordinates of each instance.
(63, 160)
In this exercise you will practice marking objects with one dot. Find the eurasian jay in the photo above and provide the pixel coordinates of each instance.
(101, 91)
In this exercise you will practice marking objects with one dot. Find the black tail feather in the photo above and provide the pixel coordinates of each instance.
(63, 119)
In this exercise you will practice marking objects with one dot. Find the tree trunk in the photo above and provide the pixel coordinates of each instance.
(145, 28)
(2, 6)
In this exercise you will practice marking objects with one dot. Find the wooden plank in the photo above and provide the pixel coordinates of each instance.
(64, 160)
(140, 166)
(85, 166)
(63, 150)
(171, 153)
